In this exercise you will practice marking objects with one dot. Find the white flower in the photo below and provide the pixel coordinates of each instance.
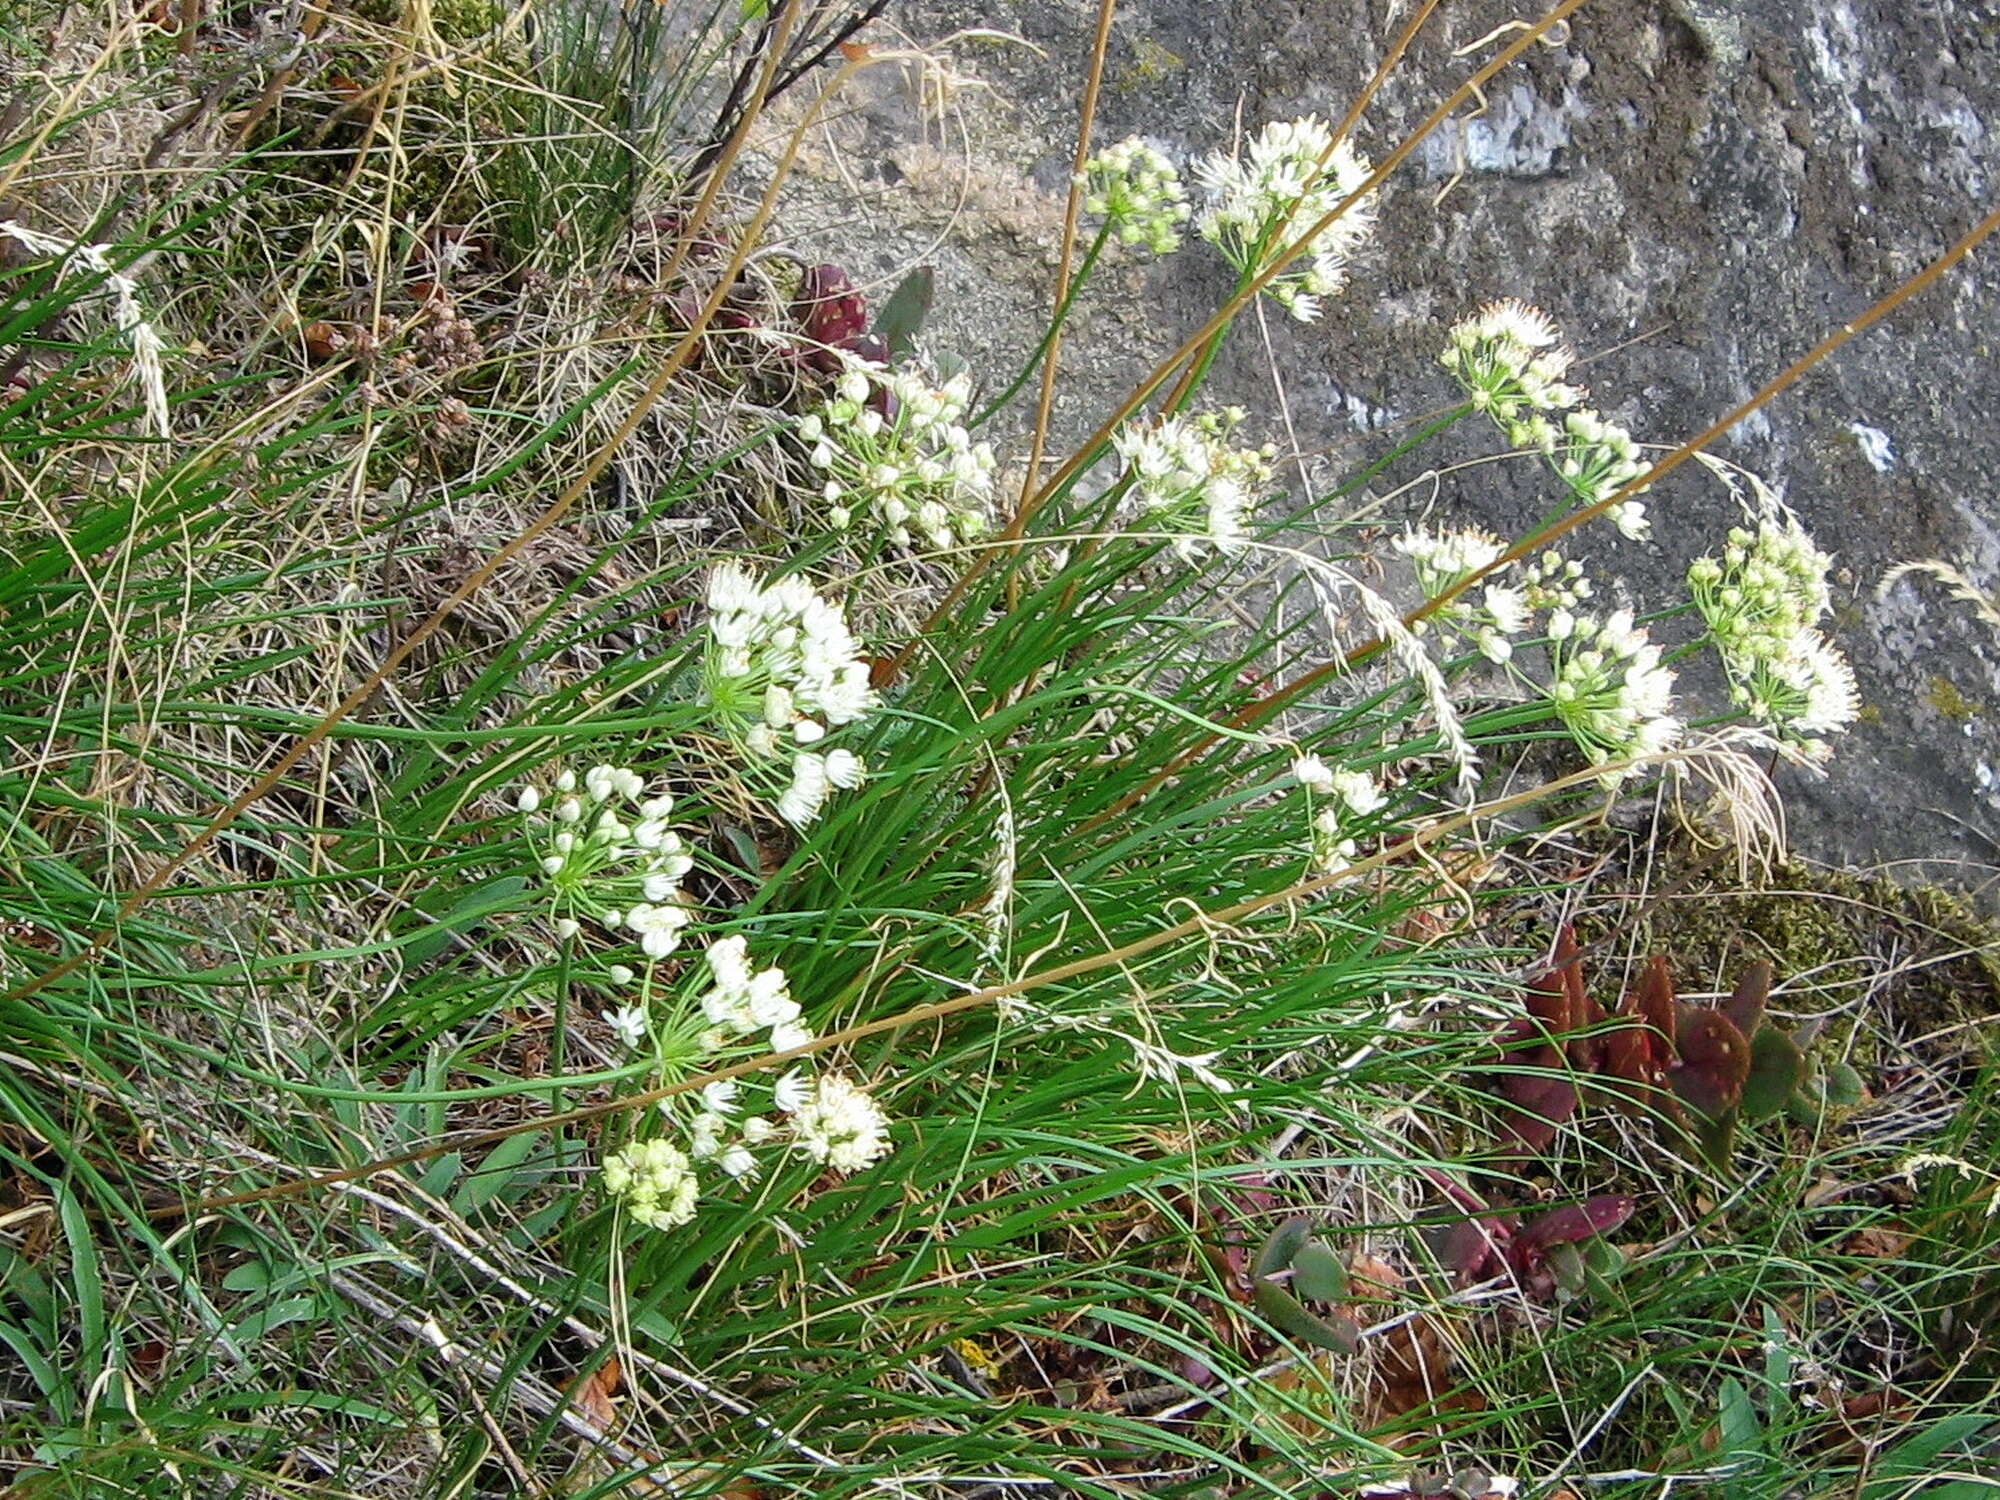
(803, 799)
(658, 927)
(629, 1022)
(789, 1034)
(1358, 790)
(719, 1096)
(1273, 194)
(528, 800)
(656, 1182)
(791, 1093)
(845, 769)
(757, 1130)
(737, 1161)
(841, 1125)
(620, 975)
(1313, 774)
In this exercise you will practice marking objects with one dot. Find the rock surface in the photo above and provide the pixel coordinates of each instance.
(1697, 190)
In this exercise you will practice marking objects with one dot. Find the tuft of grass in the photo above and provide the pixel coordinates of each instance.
(299, 1154)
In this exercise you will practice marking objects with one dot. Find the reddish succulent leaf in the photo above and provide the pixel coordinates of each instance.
(1569, 967)
(1579, 1221)
(1715, 1060)
(832, 313)
(1627, 1057)
(1552, 1097)
(1655, 1006)
(1745, 1008)
(1548, 1002)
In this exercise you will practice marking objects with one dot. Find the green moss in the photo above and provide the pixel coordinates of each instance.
(1150, 63)
(1945, 697)
(1871, 715)
(1928, 962)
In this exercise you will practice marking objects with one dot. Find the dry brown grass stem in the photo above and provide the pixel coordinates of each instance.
(671, 366)
(1202, 923)
(1045, 400)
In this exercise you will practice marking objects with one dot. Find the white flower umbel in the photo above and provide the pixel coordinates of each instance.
(1274, 191)
(1610, 690)
(1187, 477)
(1596, 459)
(782, 662)
(1492, 614)
(609, 853)
(841, 1125)
(655, 1182)
(893, 454)
(741, 1000)
(1762, 602)
(1509, 360)
(1138, 194)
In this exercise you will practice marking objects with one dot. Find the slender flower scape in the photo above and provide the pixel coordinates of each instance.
(611, 855)
(1266, 197)
(895, 455)
(781, 661)
(1187, 477)
(1493, 614)
(1138, 194)
(1762, 603)
(1508, 359)
(1610, 691)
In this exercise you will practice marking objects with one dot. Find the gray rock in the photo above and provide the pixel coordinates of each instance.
(1697, 190)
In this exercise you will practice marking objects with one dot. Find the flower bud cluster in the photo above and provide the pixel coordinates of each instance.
(1762, 602)
(896, 455)
(1138, 194)
(610, 855)
(781, 665)
(1266, 197)
(1187, 477)
(1610, 690)
(1508, 359)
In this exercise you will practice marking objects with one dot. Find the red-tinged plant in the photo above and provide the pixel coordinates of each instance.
(1702, 1069)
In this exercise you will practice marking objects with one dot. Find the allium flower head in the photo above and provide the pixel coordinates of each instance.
(895, 455)
(1509, 360)
(1268, 195)
(609, 847)
(1188, 477)
(841, 1125)
(656, 1182)
(781, 660)
(1762, 602)
(1611, 692)
(1138, 194)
